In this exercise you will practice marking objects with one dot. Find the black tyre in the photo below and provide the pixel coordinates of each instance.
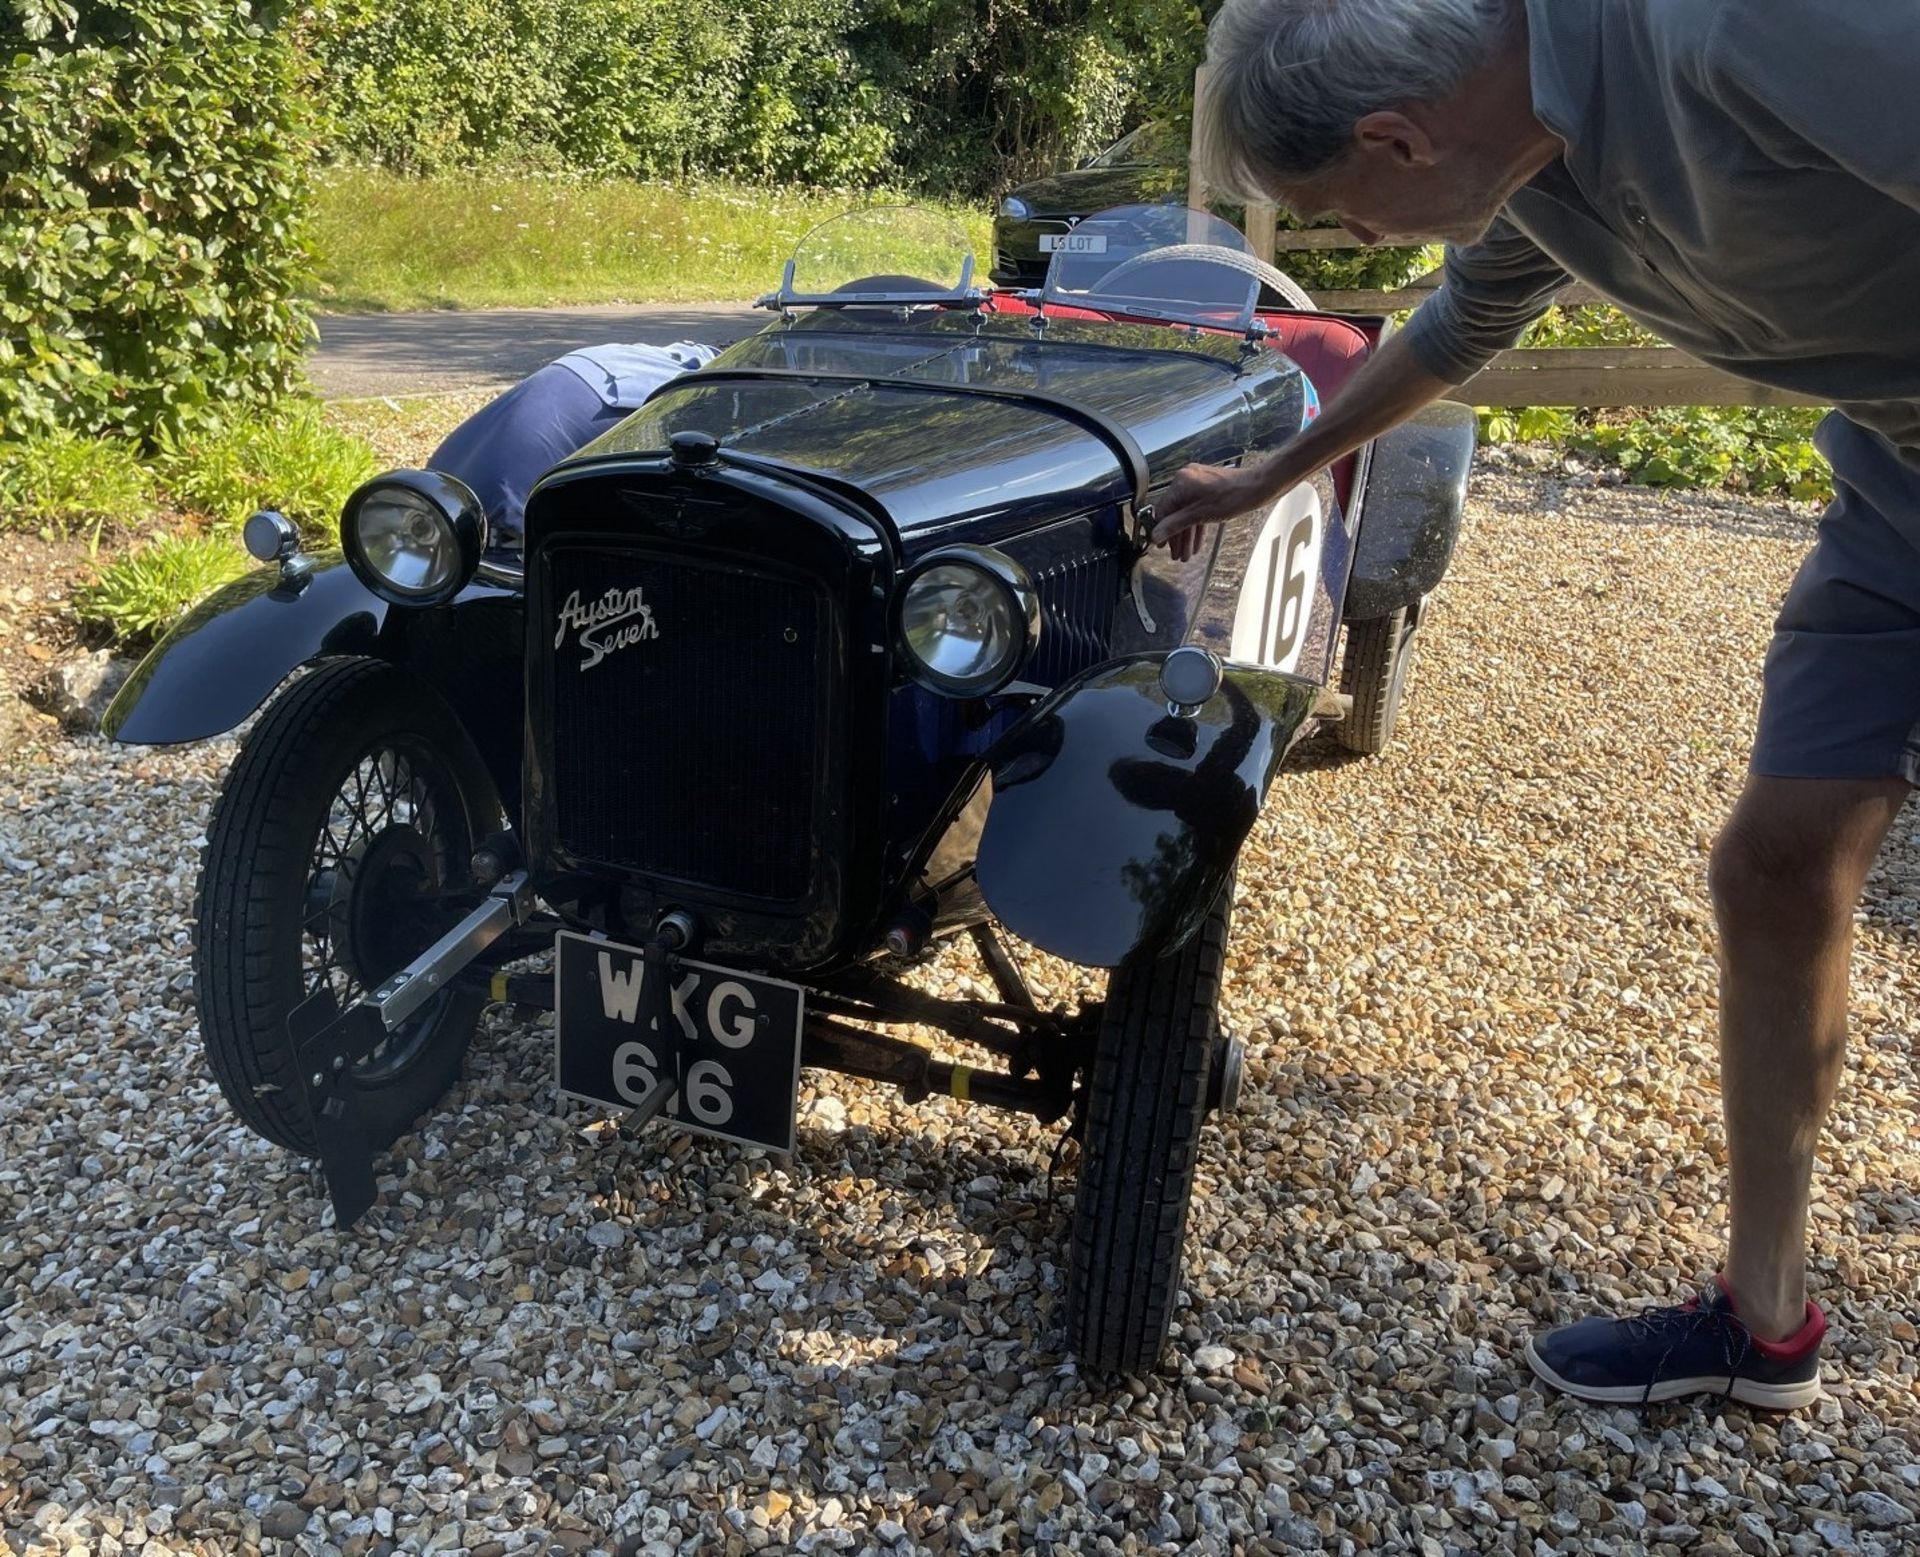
(1374, 673)
(1147, 1096)
(337, 852)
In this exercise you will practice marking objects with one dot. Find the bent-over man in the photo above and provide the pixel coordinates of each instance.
(1743, 178)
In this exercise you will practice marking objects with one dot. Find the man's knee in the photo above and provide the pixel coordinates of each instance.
(1777, 874)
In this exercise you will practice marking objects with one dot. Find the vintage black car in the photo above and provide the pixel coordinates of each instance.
(845, 644)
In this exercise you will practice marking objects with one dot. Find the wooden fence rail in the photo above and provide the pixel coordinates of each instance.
(1578, 376)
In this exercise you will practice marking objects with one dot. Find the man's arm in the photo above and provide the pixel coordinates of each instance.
(1493, 290)
(1390, 386)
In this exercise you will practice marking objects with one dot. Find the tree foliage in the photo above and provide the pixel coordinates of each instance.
(956, 95)
(992, 91)
(153, 166)
(761, 89)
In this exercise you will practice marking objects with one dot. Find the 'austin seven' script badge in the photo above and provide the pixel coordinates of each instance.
(617, 620)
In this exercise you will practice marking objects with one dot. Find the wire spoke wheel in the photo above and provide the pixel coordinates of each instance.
(337, 853)
(378, 884)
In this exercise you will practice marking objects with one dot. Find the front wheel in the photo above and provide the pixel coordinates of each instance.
(1147, 1095)
(338, 851)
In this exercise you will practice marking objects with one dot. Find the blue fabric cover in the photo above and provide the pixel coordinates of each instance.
(510, 443)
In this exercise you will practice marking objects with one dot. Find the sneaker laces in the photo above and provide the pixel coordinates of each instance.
(1683, 1321)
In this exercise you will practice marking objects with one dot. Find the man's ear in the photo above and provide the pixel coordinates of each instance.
(1396, 137)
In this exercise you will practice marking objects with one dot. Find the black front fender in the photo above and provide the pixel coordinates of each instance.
(1114, 822)
(222, 658)
(1410, 512)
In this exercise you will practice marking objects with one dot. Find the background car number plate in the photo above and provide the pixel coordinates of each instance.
(731, 1045)
(1073, 243)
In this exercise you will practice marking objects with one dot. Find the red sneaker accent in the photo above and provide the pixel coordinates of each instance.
(1804, 1340)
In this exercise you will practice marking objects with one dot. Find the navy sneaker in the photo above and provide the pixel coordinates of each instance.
(1698, 1348)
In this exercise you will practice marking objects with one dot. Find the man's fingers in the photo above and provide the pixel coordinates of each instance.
(1167, 527)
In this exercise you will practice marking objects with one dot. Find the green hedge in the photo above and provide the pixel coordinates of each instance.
(153, 169)
(958, 96)
(764, 89)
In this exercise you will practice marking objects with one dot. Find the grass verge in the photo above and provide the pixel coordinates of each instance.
(479, 241)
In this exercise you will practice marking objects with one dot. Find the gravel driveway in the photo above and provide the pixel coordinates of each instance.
(1477, 980)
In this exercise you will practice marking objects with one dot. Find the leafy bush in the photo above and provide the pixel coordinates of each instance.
(291, 460)
(955, 95)
(65, 483)
(1765, 450)
(1760, 449)
(642, 88)
(139, 596)
(988, 92)
(153, 159)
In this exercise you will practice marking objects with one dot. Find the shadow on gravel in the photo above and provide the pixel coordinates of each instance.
(1635, 508)
(1320, 753)
(966, 1184)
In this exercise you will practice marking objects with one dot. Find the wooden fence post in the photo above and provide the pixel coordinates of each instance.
(1197, 191)
(1261, 220)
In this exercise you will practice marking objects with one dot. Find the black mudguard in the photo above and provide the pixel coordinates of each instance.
(219, 662)
(1114, 821)
(1410, 512)
(226, 656)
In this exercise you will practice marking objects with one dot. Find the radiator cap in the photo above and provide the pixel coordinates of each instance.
(693, 448)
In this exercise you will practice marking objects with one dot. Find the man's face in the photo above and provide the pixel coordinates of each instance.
(1392, 189)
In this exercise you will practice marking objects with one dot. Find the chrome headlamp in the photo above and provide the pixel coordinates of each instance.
(1013, 206)
(969, 617)
(414, 537)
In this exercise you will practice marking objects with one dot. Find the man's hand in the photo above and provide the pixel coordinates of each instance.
(1389, 388)
(1199, 496)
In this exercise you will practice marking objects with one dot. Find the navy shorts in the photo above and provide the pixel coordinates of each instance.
(1841, 690)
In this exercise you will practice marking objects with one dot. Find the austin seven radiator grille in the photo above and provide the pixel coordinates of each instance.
(688, 709)
(1076, 610)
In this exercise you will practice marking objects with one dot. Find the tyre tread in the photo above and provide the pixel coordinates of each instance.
(1146, 1105)
(1366, 675)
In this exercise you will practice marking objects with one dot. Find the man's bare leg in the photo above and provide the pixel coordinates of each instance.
(1786, 877)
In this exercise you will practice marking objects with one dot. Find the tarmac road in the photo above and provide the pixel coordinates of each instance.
(446, 349)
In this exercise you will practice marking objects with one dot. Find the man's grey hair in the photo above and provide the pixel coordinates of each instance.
(1289, 79)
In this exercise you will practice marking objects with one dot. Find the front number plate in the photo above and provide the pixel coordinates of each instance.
(731, 1045)
(1073, 243)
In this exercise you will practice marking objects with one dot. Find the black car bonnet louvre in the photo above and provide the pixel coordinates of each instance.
(1125, 449)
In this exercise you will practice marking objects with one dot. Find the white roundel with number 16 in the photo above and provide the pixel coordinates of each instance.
(1276, 597)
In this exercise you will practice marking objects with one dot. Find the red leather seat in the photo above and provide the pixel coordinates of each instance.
(1328, 350)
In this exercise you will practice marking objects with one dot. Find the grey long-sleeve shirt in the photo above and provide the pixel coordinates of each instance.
(1742, 177)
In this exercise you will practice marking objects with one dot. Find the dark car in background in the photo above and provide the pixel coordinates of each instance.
(1147, 166)
(1039, 220)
